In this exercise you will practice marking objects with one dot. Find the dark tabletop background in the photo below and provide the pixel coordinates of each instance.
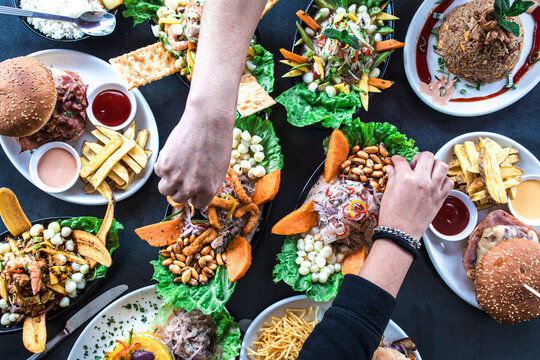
(442, 325)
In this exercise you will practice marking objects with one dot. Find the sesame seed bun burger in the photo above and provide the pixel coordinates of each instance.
(39, 105)
(500, 278)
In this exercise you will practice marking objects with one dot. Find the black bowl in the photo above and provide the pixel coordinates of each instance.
(258, 232)
(309, 184)
(17, 4)
(311, 10)
(81, 295)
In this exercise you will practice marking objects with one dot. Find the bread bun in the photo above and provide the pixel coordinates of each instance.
(384, 353)
(500, 277)
(27, 96)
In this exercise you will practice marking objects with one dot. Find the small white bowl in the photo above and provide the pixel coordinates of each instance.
(36, 156)
(111, 86)
(473, 218)
(533, 222)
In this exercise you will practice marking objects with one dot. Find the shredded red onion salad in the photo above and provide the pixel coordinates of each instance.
(190, 335)
(347, 210)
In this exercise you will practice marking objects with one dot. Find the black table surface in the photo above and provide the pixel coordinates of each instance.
(442, 325)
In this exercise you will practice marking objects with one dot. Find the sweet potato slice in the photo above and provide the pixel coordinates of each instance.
(162, 233)
(354, 261)
(338, 149)
(267, 187)
(12, 214)
(238, 258)
(297, 222)
(35, 333)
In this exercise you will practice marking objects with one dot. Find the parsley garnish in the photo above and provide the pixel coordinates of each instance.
(504, 10)
(342, 36)
(68, 114)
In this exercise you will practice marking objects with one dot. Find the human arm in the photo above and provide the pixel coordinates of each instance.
(353, 326)
(194, 160)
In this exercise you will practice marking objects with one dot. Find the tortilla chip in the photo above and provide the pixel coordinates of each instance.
(269, 5)
(252, 97)
(144, 65)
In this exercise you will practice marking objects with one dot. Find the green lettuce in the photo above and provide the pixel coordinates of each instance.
(367, 134)
(141, 10)
(306, 108)
(287, 270)
(264, 73)
(208, 298)
(227, 332)
(255, 124)
(91, 224)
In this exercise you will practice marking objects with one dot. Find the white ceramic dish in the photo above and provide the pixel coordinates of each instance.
(526, 84)
(278, 309)
(446, 256)
(473, 218)
(34, 161)
(94, 72)
(111, 86)
(135, 309)
(514, 213)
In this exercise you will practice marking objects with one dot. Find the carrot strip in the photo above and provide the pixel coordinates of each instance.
(388, 45)
(292, 56)
(380, 83)
(308, 20)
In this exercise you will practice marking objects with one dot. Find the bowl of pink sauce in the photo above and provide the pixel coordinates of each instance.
(54, 167)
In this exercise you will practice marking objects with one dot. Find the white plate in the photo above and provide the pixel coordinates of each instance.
(446, 256)
(278, 309)
(527, 83)
(93, 72)
(134, 310)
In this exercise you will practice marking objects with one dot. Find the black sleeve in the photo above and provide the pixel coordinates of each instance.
(352, 327)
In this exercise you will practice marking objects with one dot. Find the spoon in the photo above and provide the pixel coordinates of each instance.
(94, 23)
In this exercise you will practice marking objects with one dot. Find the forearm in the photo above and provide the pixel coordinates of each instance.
(227, 28)
(386, 266)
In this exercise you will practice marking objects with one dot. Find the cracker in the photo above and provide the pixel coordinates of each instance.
(144, 65)
(252, 97)
(268, 6)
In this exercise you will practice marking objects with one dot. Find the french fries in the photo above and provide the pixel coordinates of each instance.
(486, 172)
(114, 159)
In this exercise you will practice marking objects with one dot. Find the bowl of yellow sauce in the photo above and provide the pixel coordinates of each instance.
(526, 205)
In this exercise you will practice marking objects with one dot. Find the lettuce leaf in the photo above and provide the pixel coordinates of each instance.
(264, 73)
(367, 134)
(255, 124)
(227, 332)
(208, 298)
(141, 10)
(306, 108)
(91, 224)
(286, 270)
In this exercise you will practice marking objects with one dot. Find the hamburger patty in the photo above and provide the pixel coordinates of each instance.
(496, 227)
(68, 120)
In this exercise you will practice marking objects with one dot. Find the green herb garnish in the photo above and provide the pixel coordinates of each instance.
(504, 10)
(342, 36)
(422, 47)
(68, 114)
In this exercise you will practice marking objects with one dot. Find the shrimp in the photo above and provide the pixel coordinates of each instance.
(176, 34)
(33, 267)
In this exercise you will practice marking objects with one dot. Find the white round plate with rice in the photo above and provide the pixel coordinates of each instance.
(473, 108)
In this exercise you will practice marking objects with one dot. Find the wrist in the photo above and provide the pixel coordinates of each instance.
(408, 228)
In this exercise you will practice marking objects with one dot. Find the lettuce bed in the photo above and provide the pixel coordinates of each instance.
(286, 270)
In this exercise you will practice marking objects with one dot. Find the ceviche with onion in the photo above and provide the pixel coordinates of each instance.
(339, 57)
(330, 235)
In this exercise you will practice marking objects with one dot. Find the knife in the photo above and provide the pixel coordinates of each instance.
(87, 312)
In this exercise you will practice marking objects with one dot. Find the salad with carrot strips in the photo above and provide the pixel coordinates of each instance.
(330, 235)
(204, 252)
(339, 57)
(177, 24)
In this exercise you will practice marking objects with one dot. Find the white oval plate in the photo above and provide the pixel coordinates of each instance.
(132, 311)
(527, 83)
(446, 256)
(279, 309)
(93, 72)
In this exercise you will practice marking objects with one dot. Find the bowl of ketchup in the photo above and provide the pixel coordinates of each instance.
(111, 105)
(456, 218)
